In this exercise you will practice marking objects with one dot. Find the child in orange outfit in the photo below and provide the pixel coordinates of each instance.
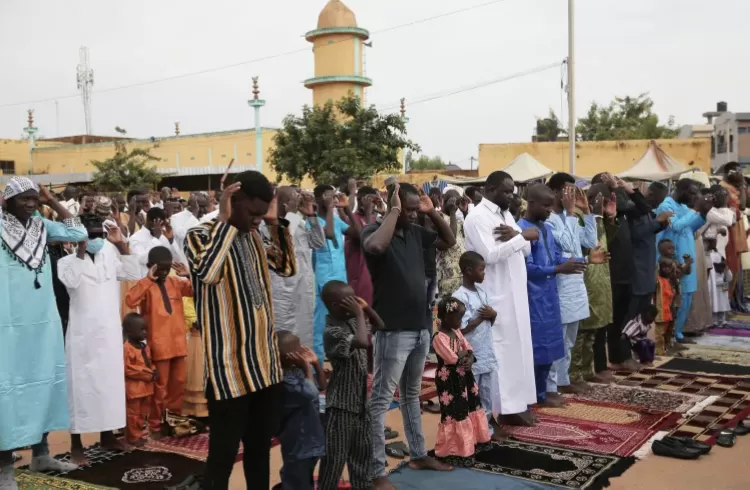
(139, 377)
(159, 296)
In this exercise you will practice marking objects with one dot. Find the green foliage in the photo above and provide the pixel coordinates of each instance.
(627, 118)
(427, 163)
(549, 128)
(126, 169)
(338, 140)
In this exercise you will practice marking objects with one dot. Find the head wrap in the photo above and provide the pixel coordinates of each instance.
(18, 185)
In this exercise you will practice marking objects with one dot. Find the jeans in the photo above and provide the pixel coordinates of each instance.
(541, 373)
(250, 418)
(298, 474)
(682, 314)
(484, 382)
(399, 358)
(41, 448)
(558, 375)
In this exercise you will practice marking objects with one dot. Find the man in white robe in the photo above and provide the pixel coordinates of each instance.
(491, 231)
(181, 222)
(294, 297)
(93, 344)
(153, 234)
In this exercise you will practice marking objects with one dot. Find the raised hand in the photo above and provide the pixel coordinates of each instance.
(181, 269)
(627, 186)
(582, 202)
(225, 205)
(610, 206)
(569, 198)
(168, 230)
(395, 199)
(450, 206)
(425, 204)
(114, 235)
(351, 304)
(306, 204)
(342, 201)
(45, 195)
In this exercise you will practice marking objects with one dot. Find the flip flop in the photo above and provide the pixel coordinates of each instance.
(400, 446)
(393, 452)
(390, 434)
(726, 438)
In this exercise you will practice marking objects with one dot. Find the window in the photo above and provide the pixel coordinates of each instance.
(713, 146)
(721, 144)
(743, 130)
(731, 143)
(7, 167)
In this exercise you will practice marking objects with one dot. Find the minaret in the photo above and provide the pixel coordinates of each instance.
(31, 131)
(256, 103)
(177, 128)
(338, 46)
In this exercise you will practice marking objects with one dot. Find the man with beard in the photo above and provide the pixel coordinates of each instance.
(492, 232)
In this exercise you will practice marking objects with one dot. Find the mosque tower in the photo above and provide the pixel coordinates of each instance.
(338, 48)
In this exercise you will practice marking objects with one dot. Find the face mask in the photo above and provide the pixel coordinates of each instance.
(95, 246)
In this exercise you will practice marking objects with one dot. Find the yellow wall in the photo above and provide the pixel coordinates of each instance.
(334, 55)
(18, 151)
(335, 92)
(593, 157)
(193, 152)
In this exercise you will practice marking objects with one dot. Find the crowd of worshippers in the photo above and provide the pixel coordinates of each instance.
(243, 306)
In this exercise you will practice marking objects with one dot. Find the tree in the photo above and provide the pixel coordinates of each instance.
(626, 118)
(126, 169)
(549, 128)
(427, 163)
(335, 140)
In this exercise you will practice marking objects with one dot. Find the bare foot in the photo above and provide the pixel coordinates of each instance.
(631, 365)
(553, 401)
(382, 483)
(77, 457)
(605, 377)
(499, 434)
(570, 390)
(116, 445)
(584, 386)
(428, 463)
(139, 442)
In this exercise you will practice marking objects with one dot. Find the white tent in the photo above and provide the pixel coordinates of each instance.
(525, 168)
(655, 164)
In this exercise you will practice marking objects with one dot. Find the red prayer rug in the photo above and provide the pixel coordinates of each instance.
(193, 447)
(608, 428)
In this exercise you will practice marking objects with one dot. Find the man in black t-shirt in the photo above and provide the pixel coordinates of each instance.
(394, 251)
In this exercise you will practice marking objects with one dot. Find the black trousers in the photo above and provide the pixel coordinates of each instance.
(348, 442)
(252, 419)
(611, 335)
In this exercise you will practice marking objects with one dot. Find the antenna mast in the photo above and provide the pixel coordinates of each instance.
(85, 79)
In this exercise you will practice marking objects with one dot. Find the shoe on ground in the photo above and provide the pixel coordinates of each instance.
(693, 444)
(44, 463)
(726, 438)
(742, 428)
(672, 448)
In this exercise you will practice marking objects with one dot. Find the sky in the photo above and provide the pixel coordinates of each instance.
(688, 54)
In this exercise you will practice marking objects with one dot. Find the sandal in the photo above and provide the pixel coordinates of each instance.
(390, 434)
(400, 446)
(742, 429)
(726, 438)
(393, 452)
(430, 406)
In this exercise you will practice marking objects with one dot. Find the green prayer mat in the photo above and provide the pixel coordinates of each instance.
(38, 481)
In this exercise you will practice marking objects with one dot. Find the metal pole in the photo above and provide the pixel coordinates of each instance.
(258, 141)
(571, 86)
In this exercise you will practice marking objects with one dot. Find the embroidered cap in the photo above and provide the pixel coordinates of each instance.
(18, 185)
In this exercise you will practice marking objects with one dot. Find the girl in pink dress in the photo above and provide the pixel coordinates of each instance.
(463, 423)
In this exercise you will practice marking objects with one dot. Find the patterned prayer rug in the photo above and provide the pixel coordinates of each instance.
(608, 413)
(36, 481)
(727, 355)
(193, 447)
(736, 332)
(642, 397)
(738, 343)
(546, 464)
(730, 405)
(711, 368)
(139, 470)
(405, 478)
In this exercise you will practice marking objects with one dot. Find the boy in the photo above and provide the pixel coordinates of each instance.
(477, 328)
(159, 296)
(301, 435)
(139, 377)
(636, 331)
(348, 430)
(543, 265)
(664, 300)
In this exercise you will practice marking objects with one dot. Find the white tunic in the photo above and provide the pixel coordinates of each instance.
(93, 342)
(181, 223)
(505, 284)
(141, 243)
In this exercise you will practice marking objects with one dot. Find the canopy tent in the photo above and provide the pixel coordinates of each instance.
(655, 164)
(525, 168)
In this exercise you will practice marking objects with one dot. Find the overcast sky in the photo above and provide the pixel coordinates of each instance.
(688, 54)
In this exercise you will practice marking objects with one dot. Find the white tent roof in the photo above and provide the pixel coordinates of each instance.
(655, 164)
(524, 168)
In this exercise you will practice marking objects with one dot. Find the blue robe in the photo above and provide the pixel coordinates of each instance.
(544, 301)
(329, 263)
(682, 227)
(33, 389)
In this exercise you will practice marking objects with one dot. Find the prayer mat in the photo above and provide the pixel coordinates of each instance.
(735, 332)
(139, 470)
(609, 413)
(193, 447)
(705, 367)
(544, 464)
(738, 343)
(405, 478)
(36, 481)
(642, 397)
(727, 355)
(740, 325)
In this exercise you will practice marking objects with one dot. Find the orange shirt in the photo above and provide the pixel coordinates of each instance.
(166, 331)
(139, 378)
(664, 299)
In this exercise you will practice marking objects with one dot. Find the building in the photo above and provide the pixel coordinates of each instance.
(197, 161)
(696, 131)
(730, 141)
